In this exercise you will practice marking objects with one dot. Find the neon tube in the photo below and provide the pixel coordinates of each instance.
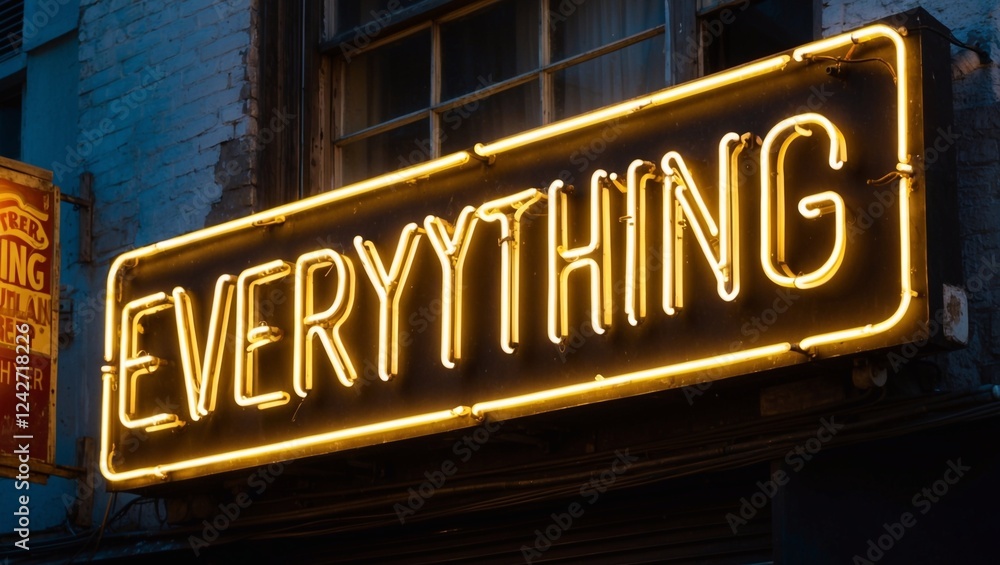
(388, 285)
(451, 244)
(250, 339)
(623, 109)
(812, 206)
(510, 258)
(324, 326)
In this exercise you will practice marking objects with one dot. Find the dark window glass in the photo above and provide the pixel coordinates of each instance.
(620, 75)
(388, 151)
(491, 118)
(490, 45)
(581, 26)
(388, 82)
(10, 123)
(733, 36)
(349, 14)
(11, 24)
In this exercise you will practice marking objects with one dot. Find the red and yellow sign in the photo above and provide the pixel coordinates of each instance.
(29, 216)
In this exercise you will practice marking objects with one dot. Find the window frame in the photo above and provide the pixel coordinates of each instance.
(323, 168)
(709, 10)
(543, 74)
(12, 88)
(11, 27)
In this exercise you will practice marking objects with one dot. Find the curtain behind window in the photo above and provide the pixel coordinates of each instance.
(613, 77)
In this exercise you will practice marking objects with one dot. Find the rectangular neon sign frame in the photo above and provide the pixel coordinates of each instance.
(601, 387)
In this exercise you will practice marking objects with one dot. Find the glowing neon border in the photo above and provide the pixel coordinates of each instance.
(601, 387)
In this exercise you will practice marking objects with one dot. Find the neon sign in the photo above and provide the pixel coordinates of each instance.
(308, 312)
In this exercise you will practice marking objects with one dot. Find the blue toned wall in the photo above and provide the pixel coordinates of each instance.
(142, 95)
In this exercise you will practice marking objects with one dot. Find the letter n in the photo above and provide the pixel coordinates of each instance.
(717, 237)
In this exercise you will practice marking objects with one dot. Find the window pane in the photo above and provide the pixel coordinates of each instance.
(761, 29)
(10, 123)
(401, 147)
(11, 23)
(488, 46)
(349, 14)
(630, 72)
(500, 115)
(388, 82)
(577, 27)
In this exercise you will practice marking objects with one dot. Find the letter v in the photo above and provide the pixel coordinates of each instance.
(201, 381)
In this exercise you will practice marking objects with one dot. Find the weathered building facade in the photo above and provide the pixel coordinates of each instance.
(180, 116)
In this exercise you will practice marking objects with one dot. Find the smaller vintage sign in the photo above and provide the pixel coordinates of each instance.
(29, 283)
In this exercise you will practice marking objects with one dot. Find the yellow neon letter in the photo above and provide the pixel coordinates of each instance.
(388, 285)
(510, 258)
(250, 337)
(324, 325)
(577, 257)
(451, 245)
(812, 206)
(136, 363)
(201, 382)
(721, 245)
(639, 174)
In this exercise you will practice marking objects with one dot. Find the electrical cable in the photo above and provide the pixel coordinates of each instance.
(867, 418)
(984, 56)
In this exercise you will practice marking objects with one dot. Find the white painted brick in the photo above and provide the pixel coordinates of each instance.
(167, 142)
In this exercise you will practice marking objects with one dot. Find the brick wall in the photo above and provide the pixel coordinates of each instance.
(167, 125)
(164, 99)
(976, 92)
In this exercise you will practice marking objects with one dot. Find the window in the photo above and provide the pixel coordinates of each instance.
(353, 14)
(10, 121)
(11, 21)
(484, 71)
(748, 30)
(418, 79)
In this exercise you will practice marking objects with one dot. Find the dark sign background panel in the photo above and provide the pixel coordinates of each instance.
(866, 289)
(29, 260)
